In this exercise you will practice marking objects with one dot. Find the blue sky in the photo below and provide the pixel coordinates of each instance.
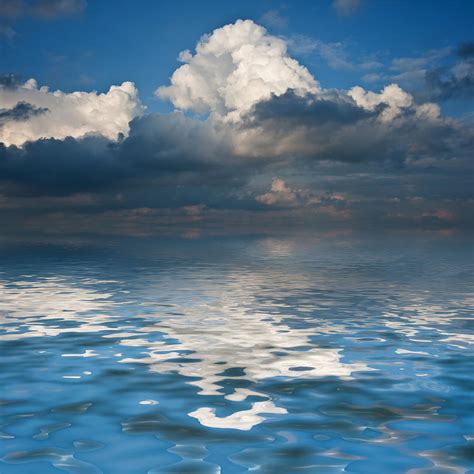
(113, 41)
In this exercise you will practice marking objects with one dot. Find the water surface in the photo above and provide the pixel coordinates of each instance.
(276, 355)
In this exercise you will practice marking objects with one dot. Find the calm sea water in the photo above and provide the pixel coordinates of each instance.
(275, 355)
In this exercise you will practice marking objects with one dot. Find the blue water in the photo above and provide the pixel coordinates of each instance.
(321, 354)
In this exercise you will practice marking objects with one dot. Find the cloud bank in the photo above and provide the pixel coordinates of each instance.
(269, 148)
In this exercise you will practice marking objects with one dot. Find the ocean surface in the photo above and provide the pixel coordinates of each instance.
(318, 354)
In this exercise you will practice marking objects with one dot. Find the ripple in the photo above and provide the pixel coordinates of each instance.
(227, 355)
(45, 431)
(58, 458)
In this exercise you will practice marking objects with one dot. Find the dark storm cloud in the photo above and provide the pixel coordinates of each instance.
(171, 152)
(20, 112)
(198, 158)
(171, 143)
(331, 108)
(56, 167)
(332, 127)
(342, 166)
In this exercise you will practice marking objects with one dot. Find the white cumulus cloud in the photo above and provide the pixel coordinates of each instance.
(396, 100)
(233, 68)
(392, 96)
(68, 114)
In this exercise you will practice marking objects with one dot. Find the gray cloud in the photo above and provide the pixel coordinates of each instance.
(437, 75)
(161, 152)
(45, 9)
(303, 156)
(331, 126)
(9, 81)
(466, 49)
(173, 159)
(20, 112)
(329, 108)
(177, 172)
(455, 82)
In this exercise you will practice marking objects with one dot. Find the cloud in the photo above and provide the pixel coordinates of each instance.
(59, 167)
(161, 152)
(436, 75)
(7, 32)
(20, 112)
(328, 107)
(393, 97)
(346, 7)
(280, 194)
(337, 54)
(274, 19)
(9, 81)
(353, 126)
(69, 114)
(333, 53)
(455, 81)
(409, 72)
(235, 67)
(11, 8)
(14, 10)
(56, 8)
(466, 49)
(45, 9)
(333, 157)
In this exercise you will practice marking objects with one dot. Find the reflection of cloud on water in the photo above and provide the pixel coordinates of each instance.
(214, 340)
(208, 336)
(220, 340)
(213, 330)
(260, 344)
(29, 307)
(240, 420)
(416, 318)
(278, 247)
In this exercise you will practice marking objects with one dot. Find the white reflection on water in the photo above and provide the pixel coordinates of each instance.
(216, 336)
(417, 317)
(230, 333)
(224, 337)
(207, 335)
(240, 420)
(29, 306)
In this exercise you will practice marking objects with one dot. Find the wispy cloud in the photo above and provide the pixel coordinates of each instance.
(346, 7)
(13, 10)
(44, 9)
(274, 19)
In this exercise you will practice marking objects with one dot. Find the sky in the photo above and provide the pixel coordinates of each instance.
(120, 117)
